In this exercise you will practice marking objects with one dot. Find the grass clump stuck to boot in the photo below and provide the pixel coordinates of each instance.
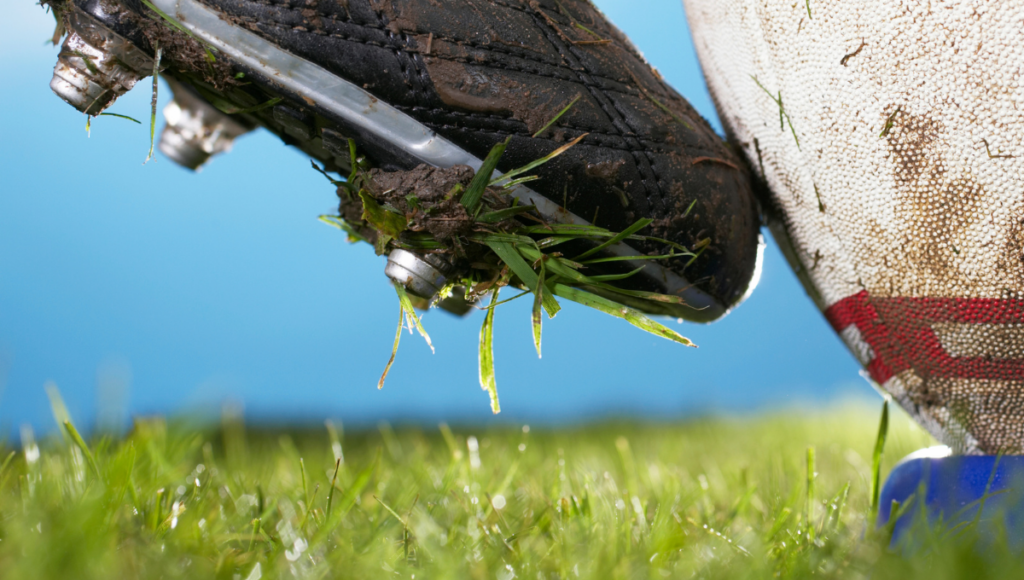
(473, 223)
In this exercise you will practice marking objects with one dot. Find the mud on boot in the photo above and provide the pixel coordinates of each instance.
(411, 84)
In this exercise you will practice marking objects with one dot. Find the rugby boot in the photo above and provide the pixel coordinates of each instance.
(419, 82)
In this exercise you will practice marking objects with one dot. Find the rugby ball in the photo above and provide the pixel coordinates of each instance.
(890, 135)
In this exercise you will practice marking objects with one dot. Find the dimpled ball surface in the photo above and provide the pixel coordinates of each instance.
(890, 135)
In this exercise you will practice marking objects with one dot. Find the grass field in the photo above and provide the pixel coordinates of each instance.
(723, 498)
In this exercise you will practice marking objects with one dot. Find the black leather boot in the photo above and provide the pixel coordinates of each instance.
(416, 82)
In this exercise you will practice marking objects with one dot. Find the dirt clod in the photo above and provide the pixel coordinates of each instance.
(425, 195)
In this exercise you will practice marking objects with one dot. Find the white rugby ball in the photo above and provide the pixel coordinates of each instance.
(890, 134)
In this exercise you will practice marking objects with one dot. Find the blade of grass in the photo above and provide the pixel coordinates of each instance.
(410, 314)
(305, 488)
(520, 181)
(256, 522)
(780, 521)
(392, 512)
(895, 511)
(256, 108)
(634, 317)
(557, 117)
(126, 117)
(348, 500)
(334, 486)
(507, 300)
(80, 443)
(387, 222)
(57, 406)
(419, 242)
(7, 461)
(471, 198)
(639, 225)
(341, 224)
(537, 162)
(811, 474)
(394, 349)
(556, 266)
(152, 103)
(566, 229)
(615, 277)
(838, 503)
(625, 258)
(876, 462)
(487, 381)
(655, 296)
(508, 254)
(322, 171)
(553, 241)
(503, 214)
(334, 437)
(506, 238)
(537, 302)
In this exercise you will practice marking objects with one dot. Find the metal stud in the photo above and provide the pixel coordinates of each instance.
(95, 65)
(195, 129)
(419, 276)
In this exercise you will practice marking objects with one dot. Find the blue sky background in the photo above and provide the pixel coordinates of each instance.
(149, 289)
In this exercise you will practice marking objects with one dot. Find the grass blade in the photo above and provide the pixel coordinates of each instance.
(639, 225)
(340, 223)
(538, 162)
(471, 198)
(349, 498)
(624, 258)
(503, 214)
(322, 171)
(567, 229)
(876, 461)
(392, 512)
(152, 104)
(838, 503)
(557, 266)
(615, 277)
(634, 317)
(334, 486)
(256, 108)
(132, 119)
(557, 117)
(394, 349)
(537, 302)
(256, 522)
(780, 520)
(305, 487)
(811, 474)
(386, 222)
(646, 295)
(506, 238)
(80, 443)
(410, 314)
(487, 381)
(7, 461)
(508, 254)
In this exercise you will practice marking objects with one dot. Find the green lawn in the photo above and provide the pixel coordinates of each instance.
(721, 498)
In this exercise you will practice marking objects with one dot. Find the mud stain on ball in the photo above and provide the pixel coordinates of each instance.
(935, 205)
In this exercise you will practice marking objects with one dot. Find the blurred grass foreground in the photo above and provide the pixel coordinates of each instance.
(716, 498)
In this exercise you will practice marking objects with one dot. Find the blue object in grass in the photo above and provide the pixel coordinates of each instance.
(980, 496)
